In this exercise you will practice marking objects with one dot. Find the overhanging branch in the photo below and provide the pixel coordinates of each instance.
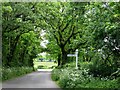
(72, 33)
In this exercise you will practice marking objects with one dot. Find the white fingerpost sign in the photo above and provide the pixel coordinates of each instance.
(75, 55)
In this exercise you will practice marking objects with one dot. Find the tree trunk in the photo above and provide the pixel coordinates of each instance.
(59, 59)
(64, 56)
(12, 50)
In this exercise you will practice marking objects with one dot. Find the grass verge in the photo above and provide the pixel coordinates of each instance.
(9, 73)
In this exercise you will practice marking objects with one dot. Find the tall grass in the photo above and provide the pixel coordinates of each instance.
(8, 73)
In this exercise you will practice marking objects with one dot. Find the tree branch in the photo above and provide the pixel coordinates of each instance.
(77, 46)
(56, 39)
(66, 25)
(53, 29)
(72, 33)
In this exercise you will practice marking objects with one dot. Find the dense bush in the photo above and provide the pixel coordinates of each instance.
(99, 67)
(85, 65)
(8, 73)
(56, 74)
(102, 70)
(72, 78)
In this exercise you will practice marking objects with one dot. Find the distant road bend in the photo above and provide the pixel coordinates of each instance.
(39, 79)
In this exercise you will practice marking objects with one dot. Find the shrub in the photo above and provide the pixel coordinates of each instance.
(69, 78)
(85, 65)
(56, 74)
(100, 67)
(64, 78)
(8, 73)
(118, 81)
(101, 70)
(72, 78)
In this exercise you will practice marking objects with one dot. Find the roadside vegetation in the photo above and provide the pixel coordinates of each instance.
(20, 43)
(71, 78)
(9, 73)
(91, 27)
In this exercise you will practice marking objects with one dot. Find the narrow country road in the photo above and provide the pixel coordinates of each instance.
(39, 79)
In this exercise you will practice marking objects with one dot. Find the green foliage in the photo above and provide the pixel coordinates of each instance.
(63, 28)
(69, 65)
(101, 22)
(8, 73)
(93, 28)
(21, 40)
(56, 74)
(71, 78)
(102, 70)
(68, 77)
(85, 65)
(101, 67)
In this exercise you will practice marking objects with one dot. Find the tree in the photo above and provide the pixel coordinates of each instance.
(19, 28)
(61, 21)
(103, 19)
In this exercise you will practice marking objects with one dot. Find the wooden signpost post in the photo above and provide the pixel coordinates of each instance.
(75, 55)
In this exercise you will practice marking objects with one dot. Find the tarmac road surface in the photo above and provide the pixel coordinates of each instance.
(39, 80)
